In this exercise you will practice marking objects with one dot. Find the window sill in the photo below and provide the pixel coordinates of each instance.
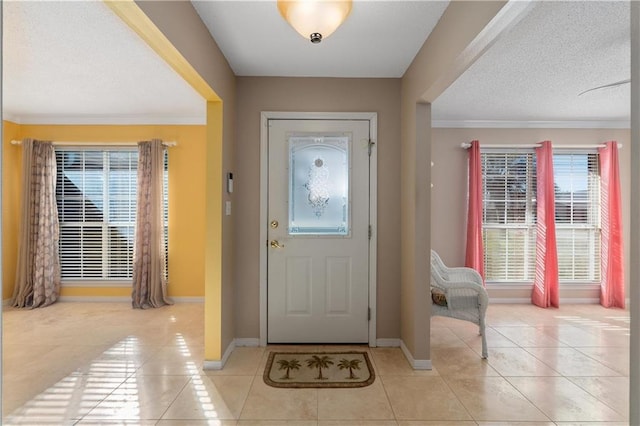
(520, 286)
(96, 283)
(508, 286)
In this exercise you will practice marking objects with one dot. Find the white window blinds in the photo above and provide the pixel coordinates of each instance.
(96, 196)
(577, 193)
(509, 216)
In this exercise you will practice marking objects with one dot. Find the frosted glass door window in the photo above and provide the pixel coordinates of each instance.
(319, 185)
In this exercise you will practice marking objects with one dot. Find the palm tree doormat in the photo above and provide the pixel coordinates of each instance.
(318, 370)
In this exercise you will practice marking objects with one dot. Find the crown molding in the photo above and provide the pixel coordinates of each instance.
(11, 117)
(130, 119)
(508, 124)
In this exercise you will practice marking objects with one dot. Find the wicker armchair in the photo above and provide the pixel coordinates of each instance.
(459, 293)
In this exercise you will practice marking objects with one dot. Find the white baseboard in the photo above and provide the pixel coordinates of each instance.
(388, 343)
(235, 343)
(247, 342)
(579, 301)
(118, 299)
(123, 299)
(509, 300)
(527, 300)
(188, 299)
(219, 364)
(417, 364)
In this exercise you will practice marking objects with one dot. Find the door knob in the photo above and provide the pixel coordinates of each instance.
(276, 244)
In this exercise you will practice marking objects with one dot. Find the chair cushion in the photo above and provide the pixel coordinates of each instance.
(438, 296)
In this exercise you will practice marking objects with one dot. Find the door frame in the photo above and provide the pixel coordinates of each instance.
(372, 117)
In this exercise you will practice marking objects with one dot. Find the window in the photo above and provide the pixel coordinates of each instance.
(509, 216)
(577, 192)
(96, 197)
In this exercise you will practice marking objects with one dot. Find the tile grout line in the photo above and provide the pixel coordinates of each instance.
(175, 398)
(623, 415)
(505, 378)
(384, 388)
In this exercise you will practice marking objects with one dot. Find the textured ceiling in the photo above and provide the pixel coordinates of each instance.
(536, 71)
(76, 62)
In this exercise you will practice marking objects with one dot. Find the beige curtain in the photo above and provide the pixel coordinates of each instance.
(38, 274)
(149, 283)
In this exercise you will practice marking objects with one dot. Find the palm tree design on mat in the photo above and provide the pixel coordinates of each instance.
(288, 365)
(319, 362)
(350, 365)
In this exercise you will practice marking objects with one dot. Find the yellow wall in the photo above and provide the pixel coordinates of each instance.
(186, 200)
(11, 169)
(176, 32)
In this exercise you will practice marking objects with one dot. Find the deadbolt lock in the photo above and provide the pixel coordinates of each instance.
(274, 224)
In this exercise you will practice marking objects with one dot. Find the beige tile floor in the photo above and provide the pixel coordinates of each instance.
(107, 364)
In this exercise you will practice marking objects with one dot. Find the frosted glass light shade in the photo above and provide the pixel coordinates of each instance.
(312, 17)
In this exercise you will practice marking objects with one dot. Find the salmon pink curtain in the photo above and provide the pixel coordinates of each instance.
(475, 253)
(545, 284)
(612, 269)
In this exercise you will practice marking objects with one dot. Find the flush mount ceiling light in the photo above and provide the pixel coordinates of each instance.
(315, 19)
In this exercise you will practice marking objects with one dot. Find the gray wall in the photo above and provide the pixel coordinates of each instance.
(257, 94)
(449, 178)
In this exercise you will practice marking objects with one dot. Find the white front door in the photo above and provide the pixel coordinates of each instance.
(318, 231)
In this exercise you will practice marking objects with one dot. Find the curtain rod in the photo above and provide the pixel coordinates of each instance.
(467, 145)
(70, 143)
